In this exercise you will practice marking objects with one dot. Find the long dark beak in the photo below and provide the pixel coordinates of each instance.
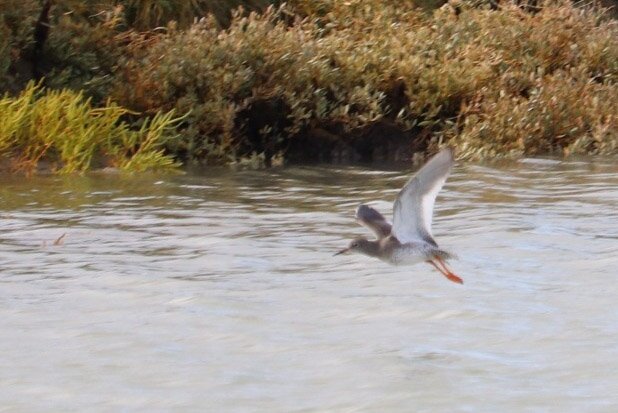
(343, 251)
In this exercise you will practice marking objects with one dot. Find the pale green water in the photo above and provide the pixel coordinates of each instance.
(219, 293)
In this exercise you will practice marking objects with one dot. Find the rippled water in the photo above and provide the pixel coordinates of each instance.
(218, 292)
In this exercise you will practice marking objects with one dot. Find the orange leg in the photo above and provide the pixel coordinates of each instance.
(445, 271)
(454, 276)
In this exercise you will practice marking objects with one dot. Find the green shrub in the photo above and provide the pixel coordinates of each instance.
(149, 14)
(17, 18)
(219, 74)
(561, 114)
(341, 69)
(554, 89)
(86, 39)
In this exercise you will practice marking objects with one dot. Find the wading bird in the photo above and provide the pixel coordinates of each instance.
(408, 240)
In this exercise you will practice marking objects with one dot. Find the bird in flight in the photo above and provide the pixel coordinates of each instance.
(408, 240)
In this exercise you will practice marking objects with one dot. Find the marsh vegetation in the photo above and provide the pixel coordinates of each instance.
(302, 81)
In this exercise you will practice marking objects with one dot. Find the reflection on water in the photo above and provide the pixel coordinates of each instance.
(218, 292)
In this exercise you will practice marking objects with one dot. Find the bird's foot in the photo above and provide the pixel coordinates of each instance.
(444, 270)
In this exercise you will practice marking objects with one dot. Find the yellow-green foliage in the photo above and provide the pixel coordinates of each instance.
(141, 150)
(64, 130)
(462, 74)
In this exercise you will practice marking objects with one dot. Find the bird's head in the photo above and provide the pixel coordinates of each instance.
(357, 245)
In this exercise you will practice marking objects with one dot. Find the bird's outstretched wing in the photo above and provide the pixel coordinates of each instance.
(373, 220)
(413, 209)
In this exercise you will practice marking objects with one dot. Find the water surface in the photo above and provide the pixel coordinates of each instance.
(218, 292)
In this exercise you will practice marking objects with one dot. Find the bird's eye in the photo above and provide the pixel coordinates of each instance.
(355, 244)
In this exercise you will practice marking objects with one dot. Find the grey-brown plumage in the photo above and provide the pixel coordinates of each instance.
(409, 240)
(373, 220)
